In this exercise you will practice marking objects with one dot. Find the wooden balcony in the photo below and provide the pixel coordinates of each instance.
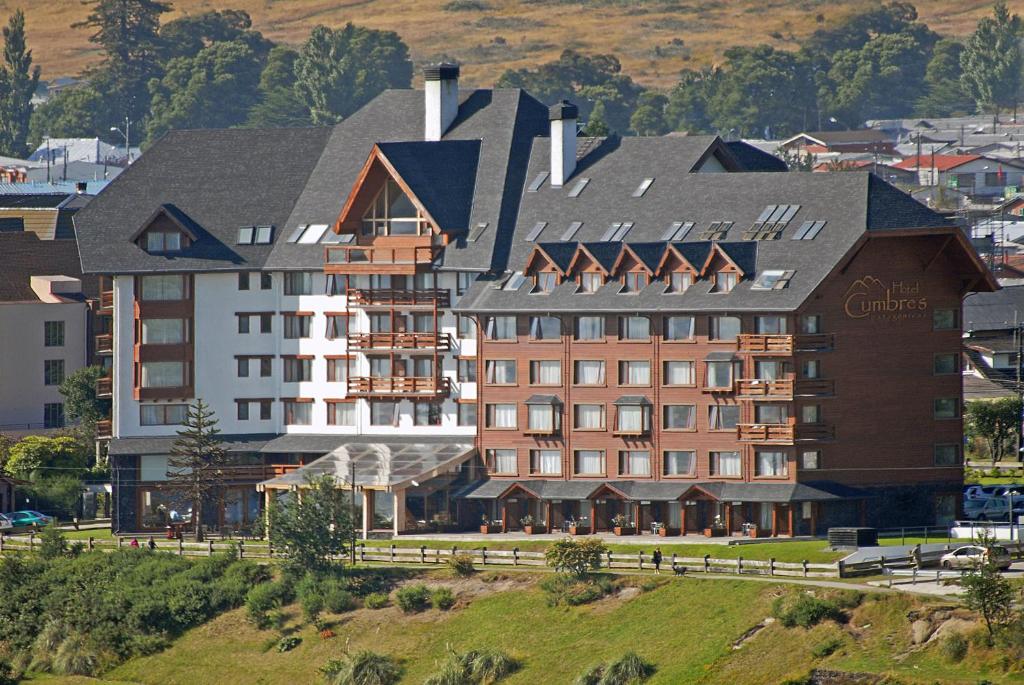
(762, 389)
(372, 259)
(784, 433)
(399, 341)
(105, 387)
(815, 387)
(106, 302)
(814, 342)
(780, 344)
(105, 343)
(440, 298)
(104, 429)
(398, 387)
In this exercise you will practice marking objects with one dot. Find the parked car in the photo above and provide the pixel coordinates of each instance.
(979, 492)
(5, 523)
(973, 556)
(998, 509)
(973, 507)
(28, 518)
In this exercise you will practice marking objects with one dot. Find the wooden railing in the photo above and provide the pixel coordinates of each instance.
(104, 429)
(815, 387)
(399, 341)
(390, 386)
(783, 343)
(815, 431)
(814, 342)
(782, 433)
(105, 343)
(105, 387)
(107, 301)
(376, 259)
(399, 298)
(781, 388)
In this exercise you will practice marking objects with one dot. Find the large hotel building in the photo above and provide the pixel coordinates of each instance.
(457, 304)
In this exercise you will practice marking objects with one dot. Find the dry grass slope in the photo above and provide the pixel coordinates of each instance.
(653, 38)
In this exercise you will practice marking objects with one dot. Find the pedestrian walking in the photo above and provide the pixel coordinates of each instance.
(656, 558)
(915, 556)
(151, 544)
(134, 543)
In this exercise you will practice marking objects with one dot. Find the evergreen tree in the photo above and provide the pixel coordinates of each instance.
(649, 117)
(195, 469)
(946, 95)
(313, 528)
(279, 104)
(18, 82)
(596, 125)
(991, 60)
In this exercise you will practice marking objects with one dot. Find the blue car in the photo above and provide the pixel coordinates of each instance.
(28, 518)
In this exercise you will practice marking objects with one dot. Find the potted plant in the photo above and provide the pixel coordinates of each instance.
(717, 528)
(578, 527)
(487, 526)
(621, 525)
(530, 527)
(664, 531)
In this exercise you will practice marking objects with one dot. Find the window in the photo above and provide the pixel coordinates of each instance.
(589, 462)
(945, 319)
(243, 280)
(810, 459)
(163, 241)
(774, 414)
(467, 327)
(678, 373)
(265, 409)
(464, 279)
(163, 374)
(772, 280)
(53, 371)
(427, 413)
(542, 418)
(423, 323)
(632, 419)
(590, 328)
(337, 326)
(545, 328)
(947, 455)
(809, 230)
(266, 323)
(634, 282)
(163, 288)
(546, 462)
(634, 373)
(811, 323)
(243, 323)
(266, 367)
(502, 461)
(53, 334)
(383, 413)
(298, 413)
(501, 371)
(393, 213)
(768, 370)
(947, 408)
(298, 283)
(467, 414)
(423, 367)
(163, 331)
(724, 282)
(546, 372)
(770, 325)
(634, 328)
(336, 370)
(811, 368)
(679, 462)
(725, 463)
(964, 180)
(500, 328)
(770, 464)
(243, 367)
(53, 415)
(266, 281)
(995, 179)
(242, 410)
(679, 282)
(588, 372)
(245, 235)
(680, 417)
(722, 417)
(588, 417)
(635, 463)
(590, 281)
(296, 326)
(297, 370)
(719, 374)
(501, 416)
(467, 371)
(679, 328)
(341, 413)
(724, 328)
(545, 281)
(946, 364)
(424, 280)
(162, 414)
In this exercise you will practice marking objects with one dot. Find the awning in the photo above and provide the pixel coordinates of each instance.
(631, 400)
(720, 356)
(540, 489)
(163, 444)
(543, 399)
(819, 491)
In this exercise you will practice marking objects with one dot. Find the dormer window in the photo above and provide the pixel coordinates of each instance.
(634, 282)
(590, 281)
(725, 281)
(545, 281)
(679, 282)
(393, 213)
(163, 241)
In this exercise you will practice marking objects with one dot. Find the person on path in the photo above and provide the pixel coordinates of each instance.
(656, 558)
(151, 544)
(134, 543)
(915, 556)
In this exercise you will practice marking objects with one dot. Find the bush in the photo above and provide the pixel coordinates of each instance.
(288, 643)
(260, 601)
(576, 557)
(806, 611)
(312, 605)
(442, 598)
(464, 6)
(461, 565)
(376, 600)
(52, 543)
(362, 668)
(7, 674)
(823, 649)
(954, 648)
(626, 670)
(573, 591)
(337, 599)
(412, 599)
(362, 582)
(475, 667)
(76, 656)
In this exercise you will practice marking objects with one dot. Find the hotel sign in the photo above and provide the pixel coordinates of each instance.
(870, 298)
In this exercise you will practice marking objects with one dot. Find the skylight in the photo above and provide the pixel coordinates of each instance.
(772, 279)
(611, 231)
(297, 233)
(313, 234)
(639, 192)
(771, 222)
(621, 232)
(245, 235)
(571, 231)
(515, 281)
(677, 231)
(537, 182)
(478, 231)
(264, 234)
(809, 230)
(716, 231)
(578, 188)
(536, 231)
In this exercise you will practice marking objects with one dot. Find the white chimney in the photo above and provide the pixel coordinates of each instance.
(563, 141)
(441, 87)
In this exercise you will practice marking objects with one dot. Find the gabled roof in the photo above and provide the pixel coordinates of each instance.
(827, 138)
(648, 254)
(889, 207)
(178, 217)
(937, 162)
(753, 158)
(560, 254)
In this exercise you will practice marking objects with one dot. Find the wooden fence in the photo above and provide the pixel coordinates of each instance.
(31, 543)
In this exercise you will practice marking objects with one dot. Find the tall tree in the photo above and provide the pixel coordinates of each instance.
(71, 113)
(339, 71)
(279, 105)
(18, 82)
(687, 108)
(649, 116)
(80, 401)
(127, 33)
(995, 424)
(195, 469)
(945, 94)
(991, 60)
(312, 528)
(187, 35)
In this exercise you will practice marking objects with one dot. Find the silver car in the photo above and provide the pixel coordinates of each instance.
(972, 556)
(5, 523)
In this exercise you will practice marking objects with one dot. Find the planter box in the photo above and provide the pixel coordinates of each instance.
(486, 530)
(666, 532)
(714, 532)
(535, 529)
(579, 530)
(624, 530)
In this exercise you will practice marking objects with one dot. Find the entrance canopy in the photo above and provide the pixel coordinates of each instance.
(378, 465)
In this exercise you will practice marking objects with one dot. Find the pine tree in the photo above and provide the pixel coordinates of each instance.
(18, 82)
(991, 60)
(195, 469)
(596, 125)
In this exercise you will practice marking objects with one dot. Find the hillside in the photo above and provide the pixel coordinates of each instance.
(654, 39)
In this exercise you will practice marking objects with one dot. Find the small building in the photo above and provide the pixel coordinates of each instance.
(859, 140)
(975, 175)
(8, 485)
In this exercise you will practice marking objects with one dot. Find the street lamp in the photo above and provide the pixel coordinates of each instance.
(126, 133)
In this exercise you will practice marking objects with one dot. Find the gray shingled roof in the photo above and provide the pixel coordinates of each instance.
(1000, 310)
(421, 164)
(667, 491)
(24, 255)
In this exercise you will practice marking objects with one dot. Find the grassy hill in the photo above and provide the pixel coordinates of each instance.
(688, 627)
(653, 38)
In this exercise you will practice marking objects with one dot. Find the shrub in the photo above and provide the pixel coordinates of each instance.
(475, 667)
(327, 634)
(361, 582)
(823, 649)
(189, 603)
(413, 598)
(461, 565)
(52, 543)
(288, 643)
(7, 674)
(442, 598)
(954, 648)
(362, 668)
(260, 600)
(626, 670)
(573, 591)
(576, 557)
(337, 599)
(312, 605)
(806, 611)
(76, 656)
(464, 6)
(376, 600)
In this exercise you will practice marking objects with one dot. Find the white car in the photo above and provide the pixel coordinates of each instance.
(5, 523)
(973, 556)
(980, 492)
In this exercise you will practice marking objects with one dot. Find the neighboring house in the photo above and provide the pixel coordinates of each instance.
(453, 303)
(8, 485)
(73, 172)
(974, 175)
(884, 171)
(992, 322)
(823, 142)
(93, 150)
(46, 214)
